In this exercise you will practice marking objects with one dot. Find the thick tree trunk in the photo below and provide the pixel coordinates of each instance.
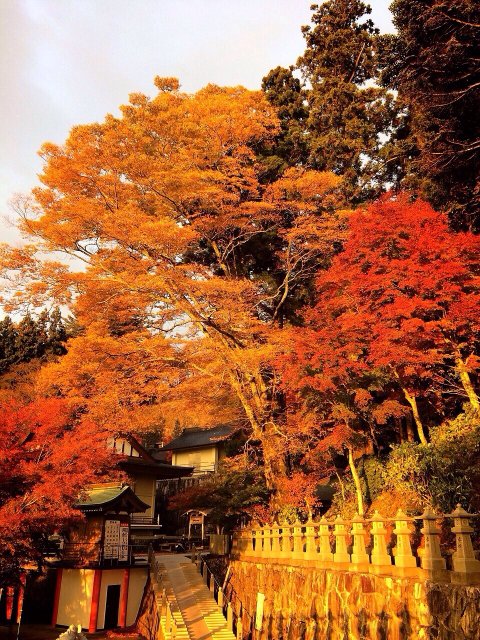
(462, 371)
(356, 481)
(274, 465)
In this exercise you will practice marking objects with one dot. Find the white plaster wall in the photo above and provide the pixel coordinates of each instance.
(202, 458)
(145, 489)
(75, 597)
(138, 577)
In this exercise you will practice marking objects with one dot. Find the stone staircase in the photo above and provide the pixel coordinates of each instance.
(188, 610)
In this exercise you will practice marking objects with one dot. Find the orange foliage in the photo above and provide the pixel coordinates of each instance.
(191, 262)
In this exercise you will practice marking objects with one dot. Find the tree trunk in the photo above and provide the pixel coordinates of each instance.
(356, 481)
(274, 466)
(412, 401)
(462, 371)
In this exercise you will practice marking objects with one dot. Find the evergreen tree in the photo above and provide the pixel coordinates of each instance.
(433, 63)
(345, 113)
(8, 336)
(286, 93)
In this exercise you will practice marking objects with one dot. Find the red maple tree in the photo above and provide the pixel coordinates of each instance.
(46, 460)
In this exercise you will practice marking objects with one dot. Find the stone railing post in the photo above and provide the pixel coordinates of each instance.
(464, 560)
(360, 558)
(325, 554)
(380, 559)
(403, 555)
(286, 541)
(297, 553)
(267, 541)
(220, 597)
(275, 540)
(431, 556)
(310, 545)
(239, 628)
(259, 542)
(230, 616)
(249, 541)
(340, 532)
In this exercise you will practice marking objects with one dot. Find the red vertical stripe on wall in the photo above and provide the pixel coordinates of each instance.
(97, 581)
(56, 599)
(122, 617)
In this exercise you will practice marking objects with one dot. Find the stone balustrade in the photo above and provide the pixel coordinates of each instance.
(376, 545)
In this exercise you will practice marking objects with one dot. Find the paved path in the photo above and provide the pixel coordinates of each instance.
(197, 615)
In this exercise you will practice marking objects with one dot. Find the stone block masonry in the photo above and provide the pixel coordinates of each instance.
(364, 579)
(307, 603)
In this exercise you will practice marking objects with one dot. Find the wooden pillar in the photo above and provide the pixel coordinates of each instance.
(56, 598)
(97, 581)
(20, 596)
(122, 616)
(10, 595)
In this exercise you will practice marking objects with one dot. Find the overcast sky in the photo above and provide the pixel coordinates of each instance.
(66, 62)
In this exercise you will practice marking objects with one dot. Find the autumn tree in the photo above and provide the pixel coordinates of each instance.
(433, 63)
(190, 261)
(46, 460)
(401, 303)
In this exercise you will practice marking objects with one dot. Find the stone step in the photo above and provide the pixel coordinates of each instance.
(195, 611)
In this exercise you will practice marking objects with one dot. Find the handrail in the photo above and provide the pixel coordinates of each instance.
(232, 607)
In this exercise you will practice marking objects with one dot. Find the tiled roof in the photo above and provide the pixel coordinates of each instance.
(108, 495)
(194, 437)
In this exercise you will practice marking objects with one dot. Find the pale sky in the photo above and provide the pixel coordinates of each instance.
(66, 62)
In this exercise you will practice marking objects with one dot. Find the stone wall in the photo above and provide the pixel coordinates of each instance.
(148, 620)
(306, 603)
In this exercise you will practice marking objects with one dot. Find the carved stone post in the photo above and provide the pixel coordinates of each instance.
(464, 560)
(249, 541)
(325, 554)
(403, 556)
(220, 597)
(267, 542)
(380, 557)
(230, 616)
(275, 540)
(286, 541)
(259, 542)
(340, 532)
(297, 541)
(431, 556)
(360, 557)
(311, 546)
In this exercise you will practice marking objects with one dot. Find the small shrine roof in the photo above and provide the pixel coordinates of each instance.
(101, 498)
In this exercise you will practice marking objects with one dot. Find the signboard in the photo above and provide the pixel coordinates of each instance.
(196, 519)
(112, 539)
(123, 548)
